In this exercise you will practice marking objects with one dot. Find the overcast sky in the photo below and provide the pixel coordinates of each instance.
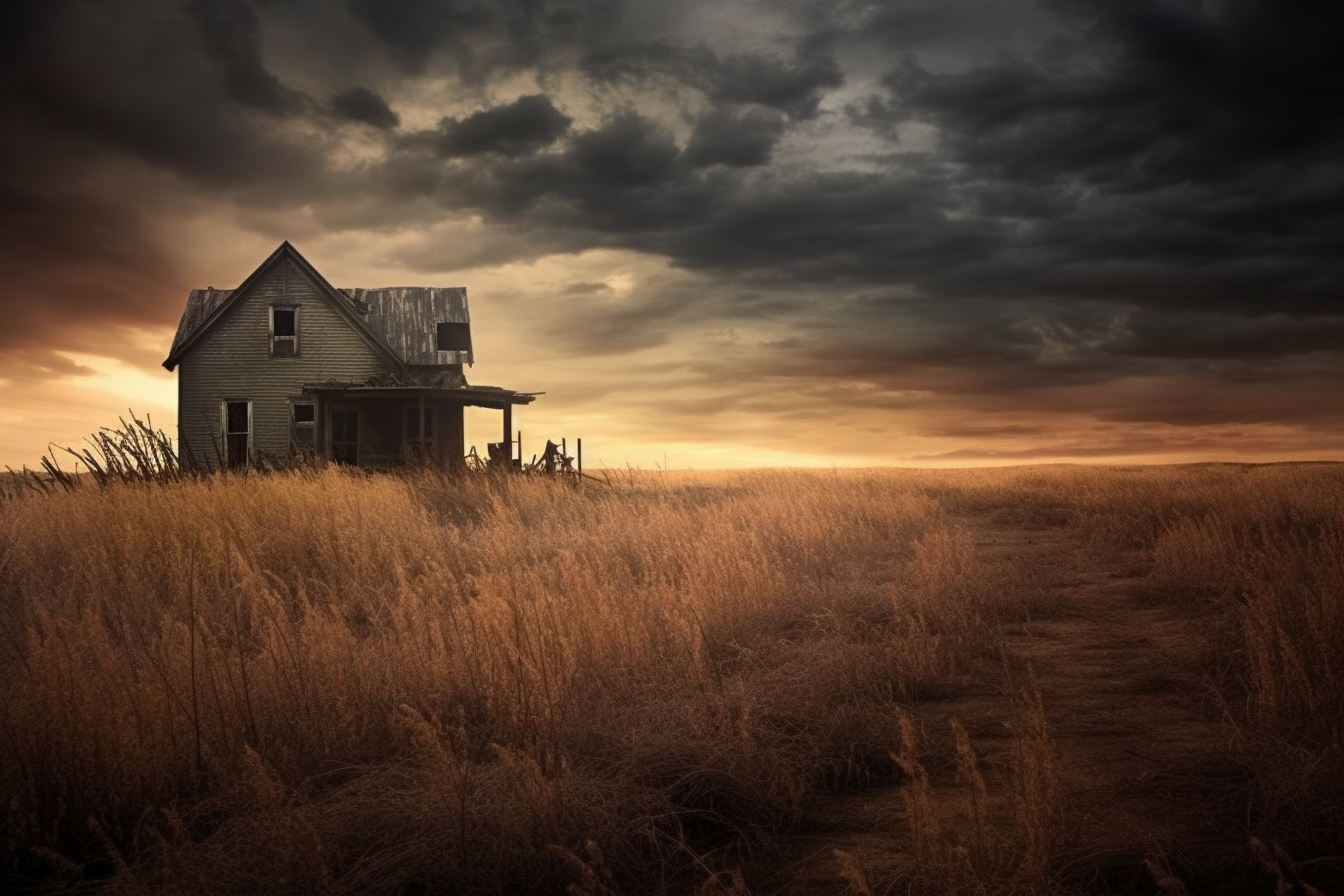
(714, 233)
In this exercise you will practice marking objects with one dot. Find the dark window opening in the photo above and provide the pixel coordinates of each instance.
(237, 433)
(284, 332)
(453, 338)
(302, 429)
(345, 436)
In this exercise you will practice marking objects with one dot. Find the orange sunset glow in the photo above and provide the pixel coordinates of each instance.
(714, 235)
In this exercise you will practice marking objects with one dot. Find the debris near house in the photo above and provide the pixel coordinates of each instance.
(554, 460)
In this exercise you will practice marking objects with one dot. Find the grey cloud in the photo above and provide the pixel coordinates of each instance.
(738, 138)
(1221, 336)
(480, 37)
(522, 127)
(629, 150)
(587, 288)
(153, 86)
(363, 105)
(792, 85)
(695, 66)
(608, 332)
(230, 31)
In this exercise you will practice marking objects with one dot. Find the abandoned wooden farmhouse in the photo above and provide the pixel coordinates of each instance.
(288, 363)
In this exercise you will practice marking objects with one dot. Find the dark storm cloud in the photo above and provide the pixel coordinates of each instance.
(794, 85)
(735, 137)
(363, 105)
(99, 103)
(479, 37)
(520, 128)
(1169, 154)
(629, 151)
(230, 32)
(51, 303)
(1216, 337)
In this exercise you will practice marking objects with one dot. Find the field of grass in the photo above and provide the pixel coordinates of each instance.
(326, 682)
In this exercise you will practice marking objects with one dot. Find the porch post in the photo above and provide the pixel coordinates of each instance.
(424, 441)
(455, 434)
(321, 427)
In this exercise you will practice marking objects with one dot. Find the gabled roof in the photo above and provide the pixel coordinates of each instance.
(398, 321)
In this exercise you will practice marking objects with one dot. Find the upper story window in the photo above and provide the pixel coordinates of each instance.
(452, 337)
(284, 331)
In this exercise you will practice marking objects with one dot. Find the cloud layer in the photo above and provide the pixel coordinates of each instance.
(1017, 229)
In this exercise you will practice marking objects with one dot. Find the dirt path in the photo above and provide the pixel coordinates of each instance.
(1141, 753)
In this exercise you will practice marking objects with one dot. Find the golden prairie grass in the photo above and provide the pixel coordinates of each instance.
(1275, 560)
(325, 682)
(342, 683)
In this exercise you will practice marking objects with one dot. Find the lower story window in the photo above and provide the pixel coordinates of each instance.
(237, 433)
(302, 420)
(345, 436)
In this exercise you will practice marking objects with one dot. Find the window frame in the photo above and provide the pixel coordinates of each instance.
(227, 434)
(292, 341)
(299, 427)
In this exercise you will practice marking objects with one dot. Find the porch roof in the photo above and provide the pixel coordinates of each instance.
(474, 396)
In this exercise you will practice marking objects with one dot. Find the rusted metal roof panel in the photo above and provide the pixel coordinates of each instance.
(407, 317)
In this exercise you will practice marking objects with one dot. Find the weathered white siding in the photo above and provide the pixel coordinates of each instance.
(232, 362)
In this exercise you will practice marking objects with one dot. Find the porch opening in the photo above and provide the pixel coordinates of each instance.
(345, 436)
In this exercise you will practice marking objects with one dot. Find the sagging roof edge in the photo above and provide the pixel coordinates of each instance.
(479, 396)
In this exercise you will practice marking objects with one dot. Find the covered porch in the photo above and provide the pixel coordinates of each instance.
(384, 426)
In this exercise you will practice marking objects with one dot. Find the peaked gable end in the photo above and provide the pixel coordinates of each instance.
(206, 308)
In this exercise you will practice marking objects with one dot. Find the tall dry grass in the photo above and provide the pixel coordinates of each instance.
(1261, 549)
(1257, 553)
(1272, 553)
(325, 682)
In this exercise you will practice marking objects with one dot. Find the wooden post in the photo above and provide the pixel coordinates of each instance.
(457, 438)
(508, 431)
(423, 441)
(578, 454)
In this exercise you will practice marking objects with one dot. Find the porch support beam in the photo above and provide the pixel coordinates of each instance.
(424, 438)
